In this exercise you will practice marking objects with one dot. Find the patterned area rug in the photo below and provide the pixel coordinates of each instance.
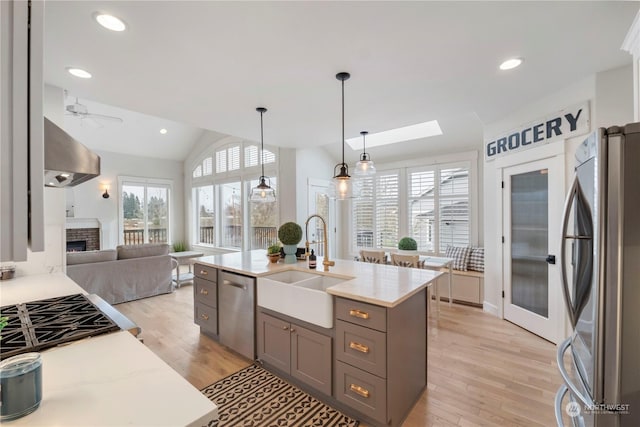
(256, 397)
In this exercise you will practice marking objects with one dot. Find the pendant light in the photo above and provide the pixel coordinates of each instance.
(342, 185)
(365, 166)
(262, 193)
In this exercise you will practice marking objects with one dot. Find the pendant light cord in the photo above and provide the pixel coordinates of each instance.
(343, 121)
(261, 144)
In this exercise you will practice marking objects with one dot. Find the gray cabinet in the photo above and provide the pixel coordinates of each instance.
(205, 299)
(21, 129)
(295, 350)
(380, 368)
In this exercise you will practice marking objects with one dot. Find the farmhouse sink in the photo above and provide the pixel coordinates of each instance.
(300, 295)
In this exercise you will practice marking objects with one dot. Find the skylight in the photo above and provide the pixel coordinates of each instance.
(392, 136)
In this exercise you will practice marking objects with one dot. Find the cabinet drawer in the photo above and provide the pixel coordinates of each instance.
(362, 391)
(362, 347)
(205, 292)
(206, 317)
(360, 313)
(206, 272)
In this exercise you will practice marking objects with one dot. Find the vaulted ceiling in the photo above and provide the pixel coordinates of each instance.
(209, 64)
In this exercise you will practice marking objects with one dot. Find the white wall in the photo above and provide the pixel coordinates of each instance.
(88, 201)
(609, 93)
(311, 163)
(576, 93)
(614, 97)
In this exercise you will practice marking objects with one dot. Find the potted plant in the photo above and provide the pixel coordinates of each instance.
(408, 246)
(273, 252)
(179, 246)
(290, 235)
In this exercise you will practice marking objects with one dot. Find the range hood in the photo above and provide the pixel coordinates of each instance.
(66, 161)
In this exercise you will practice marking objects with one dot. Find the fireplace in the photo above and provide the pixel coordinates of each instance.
(87, 230)
(76, 246)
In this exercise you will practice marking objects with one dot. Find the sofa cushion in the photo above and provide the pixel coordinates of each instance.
(476, 259)
(460, 256)
(86, 257)
(144, 250)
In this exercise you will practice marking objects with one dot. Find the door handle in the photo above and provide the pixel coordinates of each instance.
(551, 259)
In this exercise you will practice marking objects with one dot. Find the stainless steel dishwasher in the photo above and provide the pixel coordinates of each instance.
(236, 308)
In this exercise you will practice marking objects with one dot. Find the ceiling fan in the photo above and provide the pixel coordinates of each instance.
(80, 110)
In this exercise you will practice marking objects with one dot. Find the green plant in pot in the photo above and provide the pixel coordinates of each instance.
(407, 245)
(290, 235)
(273, 252)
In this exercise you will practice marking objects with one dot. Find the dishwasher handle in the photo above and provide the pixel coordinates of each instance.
(237, 285)
(236, 280)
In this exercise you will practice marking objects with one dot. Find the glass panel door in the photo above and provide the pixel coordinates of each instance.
(133, 214)
(532, 203)
(231, 230)
(529, 241)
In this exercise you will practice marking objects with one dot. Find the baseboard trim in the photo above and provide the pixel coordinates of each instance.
(490, 308)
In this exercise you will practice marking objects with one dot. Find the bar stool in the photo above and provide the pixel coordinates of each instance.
(375, 257)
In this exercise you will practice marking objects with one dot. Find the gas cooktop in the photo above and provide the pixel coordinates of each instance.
(38, 325)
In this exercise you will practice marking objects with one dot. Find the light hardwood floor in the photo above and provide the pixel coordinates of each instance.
(481, 370)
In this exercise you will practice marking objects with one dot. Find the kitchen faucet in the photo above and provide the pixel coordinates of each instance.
(325, 259)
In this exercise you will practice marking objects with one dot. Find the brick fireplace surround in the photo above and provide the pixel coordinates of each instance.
(91, 235)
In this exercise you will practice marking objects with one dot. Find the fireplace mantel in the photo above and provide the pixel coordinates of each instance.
(82, 223)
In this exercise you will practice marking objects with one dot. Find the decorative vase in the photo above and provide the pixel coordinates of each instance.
(21, 381)
(290, 253)
(407, 252)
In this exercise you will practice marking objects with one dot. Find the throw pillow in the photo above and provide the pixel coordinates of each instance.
(476, 259)
(460, 256)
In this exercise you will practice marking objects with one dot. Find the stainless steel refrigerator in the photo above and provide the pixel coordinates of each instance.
(600, 361)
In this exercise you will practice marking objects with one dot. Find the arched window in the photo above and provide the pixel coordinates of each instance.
(222, 216)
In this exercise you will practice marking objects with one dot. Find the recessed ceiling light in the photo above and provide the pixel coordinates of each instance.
(110, 22)
(407, 133)
(79, 72)
(511, 63)
(163, 131)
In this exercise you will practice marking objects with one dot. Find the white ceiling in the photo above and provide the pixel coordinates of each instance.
(210, 64)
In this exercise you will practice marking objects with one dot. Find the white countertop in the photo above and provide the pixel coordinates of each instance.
(114, 380)
(384, 285)
(37, 287)
(108, 380)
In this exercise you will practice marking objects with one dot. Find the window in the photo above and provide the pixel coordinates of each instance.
(205, 215)
(144, 211)
(223, 217)
(376, 211)
(435, 211)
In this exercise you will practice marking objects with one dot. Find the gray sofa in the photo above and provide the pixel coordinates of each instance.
(123, 274)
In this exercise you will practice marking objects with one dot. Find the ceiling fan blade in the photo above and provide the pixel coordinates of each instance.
(103, 117)
(90, 122)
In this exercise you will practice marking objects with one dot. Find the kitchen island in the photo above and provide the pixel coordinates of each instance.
(107, 380)
(369, 359)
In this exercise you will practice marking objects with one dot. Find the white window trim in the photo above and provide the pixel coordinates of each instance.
(135, 180)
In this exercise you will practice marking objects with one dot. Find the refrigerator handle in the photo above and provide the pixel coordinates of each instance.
(562, 391)
(563, 243)
(562, 349)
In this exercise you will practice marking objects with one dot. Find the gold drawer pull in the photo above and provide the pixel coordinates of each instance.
(359, 390)
(204, 316)
(204, 272)
(359, 347)
(285, 328)
(358, 313)
(204, 291)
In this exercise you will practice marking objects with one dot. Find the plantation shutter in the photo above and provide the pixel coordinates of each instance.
(234, 158)
(454, 208)
(221, 161)
(363, 215)
(387, 209)
(251, 156)
(421, 209)
(207, 166)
